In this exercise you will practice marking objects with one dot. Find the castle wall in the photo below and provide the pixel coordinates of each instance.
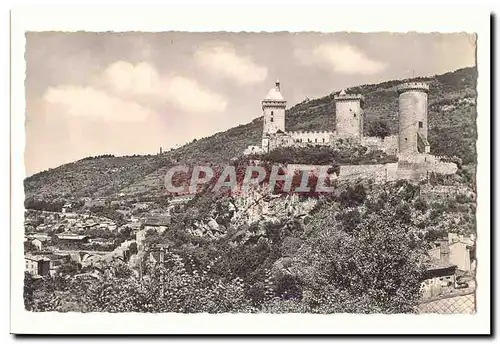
(418, 166)
(273, 141)
(388, 144)
(441, 192)
(311, 137)
(377, 172)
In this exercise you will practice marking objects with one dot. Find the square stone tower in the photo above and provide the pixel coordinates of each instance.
(349, 115)
(273, 108)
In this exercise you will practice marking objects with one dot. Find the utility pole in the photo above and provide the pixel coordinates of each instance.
(140, 268)
(162, 272)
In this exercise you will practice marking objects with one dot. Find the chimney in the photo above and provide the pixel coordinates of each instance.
(278, 85)
(445, 252)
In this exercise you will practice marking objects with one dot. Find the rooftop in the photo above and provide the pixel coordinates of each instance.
(274, 93)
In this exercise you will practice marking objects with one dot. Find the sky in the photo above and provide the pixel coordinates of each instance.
(130, 93)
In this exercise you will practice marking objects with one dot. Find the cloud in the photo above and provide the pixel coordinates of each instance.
(144, 84)
(340, 58)
(188, 95)
(222, 59)
(132, 80)
(91, 103)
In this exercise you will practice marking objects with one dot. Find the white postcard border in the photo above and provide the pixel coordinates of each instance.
(254, 18)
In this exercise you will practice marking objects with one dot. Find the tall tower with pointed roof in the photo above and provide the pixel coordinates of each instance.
(273, 109)
(349, 114)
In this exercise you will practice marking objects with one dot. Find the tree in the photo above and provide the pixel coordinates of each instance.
(373, 267)
(133, 248)
(379, 128)
(69, 268)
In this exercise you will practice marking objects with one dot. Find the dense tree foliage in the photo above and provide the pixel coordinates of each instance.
(363, 256)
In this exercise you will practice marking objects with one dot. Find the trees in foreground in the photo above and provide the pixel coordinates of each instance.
(364, 258)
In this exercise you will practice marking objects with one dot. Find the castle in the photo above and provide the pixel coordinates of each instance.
(410, 145)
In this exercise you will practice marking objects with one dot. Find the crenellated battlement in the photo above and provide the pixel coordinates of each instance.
(413, 86)
(301, 132)
(349, 97)
(274, 103)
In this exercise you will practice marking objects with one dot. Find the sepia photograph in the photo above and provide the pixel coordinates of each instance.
(250, 172)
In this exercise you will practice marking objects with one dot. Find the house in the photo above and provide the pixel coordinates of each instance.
(56, 260)
(100, 241)
(180, 199)
(157, 223)
(154, 257)
(90, 259)
(37, 243)
(72, 237)
(140, 238)
(41, 228)
(40, 236)
(37, 265)
(456, 250)
(66, 208)
(439, 278)
(250, 150)
(143, 205)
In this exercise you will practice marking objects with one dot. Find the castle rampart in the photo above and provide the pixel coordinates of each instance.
(410, 145)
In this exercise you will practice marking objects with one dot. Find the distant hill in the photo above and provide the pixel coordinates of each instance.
(452, 132)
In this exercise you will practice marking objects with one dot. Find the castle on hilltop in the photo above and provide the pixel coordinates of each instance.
(410, 145)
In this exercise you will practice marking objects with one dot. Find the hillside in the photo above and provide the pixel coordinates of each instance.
(452, 131)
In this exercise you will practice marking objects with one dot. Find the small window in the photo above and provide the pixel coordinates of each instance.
(406, 139)
(272, 113)
(323, 139)
(420, 124)
(315, 140)
(354, 115)
(272, 119)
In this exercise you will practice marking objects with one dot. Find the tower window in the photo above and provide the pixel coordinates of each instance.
(315, 140)
(323, 139)
(420, 124)
(272, 113)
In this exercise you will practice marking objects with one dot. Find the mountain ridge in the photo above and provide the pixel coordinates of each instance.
(452, 132)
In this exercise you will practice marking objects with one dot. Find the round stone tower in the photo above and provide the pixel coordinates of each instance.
(273, 108)
(413, 118)
(349, 114)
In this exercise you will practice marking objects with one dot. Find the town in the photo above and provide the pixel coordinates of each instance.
(94, 237)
